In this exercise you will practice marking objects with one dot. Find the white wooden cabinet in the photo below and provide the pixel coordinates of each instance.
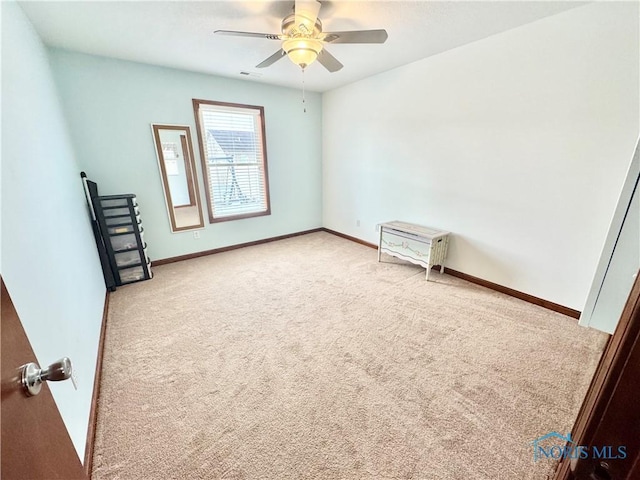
(417, 244)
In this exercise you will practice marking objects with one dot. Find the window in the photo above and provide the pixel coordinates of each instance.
(234, 159)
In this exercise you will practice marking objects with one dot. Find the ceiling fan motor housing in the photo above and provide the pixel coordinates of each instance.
(305, 28)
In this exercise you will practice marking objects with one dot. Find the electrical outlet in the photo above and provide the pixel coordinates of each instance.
(357, 223)
(196, 234)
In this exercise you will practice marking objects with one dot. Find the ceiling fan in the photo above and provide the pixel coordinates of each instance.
(303, 40)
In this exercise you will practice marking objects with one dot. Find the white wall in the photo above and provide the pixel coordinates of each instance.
(49, 258)
(518, 144)
(110, 105)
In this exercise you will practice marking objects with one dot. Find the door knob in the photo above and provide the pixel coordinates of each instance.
(32, 376)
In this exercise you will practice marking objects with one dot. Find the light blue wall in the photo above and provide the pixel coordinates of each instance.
(110, 105)
(49, 258)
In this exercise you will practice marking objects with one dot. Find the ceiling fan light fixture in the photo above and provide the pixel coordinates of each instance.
(302, 51)
(303, 39)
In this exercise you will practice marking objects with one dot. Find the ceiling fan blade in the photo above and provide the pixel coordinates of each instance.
(328, 61)
(268, 36)
(272, 59)
(357, 36)
(306, 14)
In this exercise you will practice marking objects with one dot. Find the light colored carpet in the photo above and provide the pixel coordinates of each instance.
(305, 358)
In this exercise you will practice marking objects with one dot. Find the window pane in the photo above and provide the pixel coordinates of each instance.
(233, 157)
(236, 189)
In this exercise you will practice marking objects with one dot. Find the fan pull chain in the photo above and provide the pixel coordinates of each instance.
(304, 104)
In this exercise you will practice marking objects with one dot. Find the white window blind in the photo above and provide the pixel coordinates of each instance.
(234, 160)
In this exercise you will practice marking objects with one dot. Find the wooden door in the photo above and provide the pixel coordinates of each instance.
(609, 417)
(35, 442)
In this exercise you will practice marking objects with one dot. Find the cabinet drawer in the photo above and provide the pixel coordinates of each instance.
(119, 220)
(406, 245)
(116, 212)
(120, 229)
(123, 242)
(127, 258)
(115, 202)
(133, 274)
(120, 212)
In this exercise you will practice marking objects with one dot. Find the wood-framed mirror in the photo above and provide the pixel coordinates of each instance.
(179, 179)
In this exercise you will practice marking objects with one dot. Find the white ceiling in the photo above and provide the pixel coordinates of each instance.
(180, 33)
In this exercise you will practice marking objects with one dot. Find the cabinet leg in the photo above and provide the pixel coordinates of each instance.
(441, 269)
(379, 252)
(428, 268)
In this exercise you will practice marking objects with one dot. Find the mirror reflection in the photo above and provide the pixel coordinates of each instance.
(178, 172)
